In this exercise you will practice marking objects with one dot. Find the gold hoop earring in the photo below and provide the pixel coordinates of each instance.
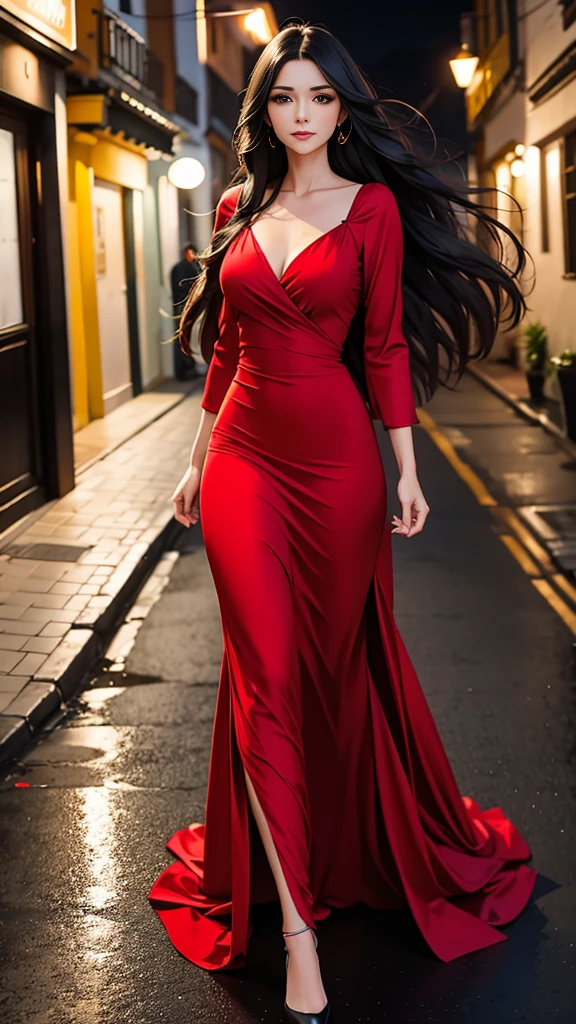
(273, 144)
(341, 138)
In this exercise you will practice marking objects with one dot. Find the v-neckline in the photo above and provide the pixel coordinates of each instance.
(306, 247)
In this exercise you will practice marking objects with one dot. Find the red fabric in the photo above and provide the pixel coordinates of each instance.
(318, 698)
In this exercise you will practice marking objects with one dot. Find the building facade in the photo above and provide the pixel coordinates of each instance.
(152, 81)
(521, 112)
(98, 102)
(36, 457)
(118, 128)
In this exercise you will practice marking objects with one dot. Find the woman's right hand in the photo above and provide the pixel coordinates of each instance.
(186, 497)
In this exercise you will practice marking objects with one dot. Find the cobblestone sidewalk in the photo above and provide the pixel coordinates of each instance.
(66, 580)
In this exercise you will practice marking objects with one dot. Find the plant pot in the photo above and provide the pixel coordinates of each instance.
(567, 381)
(536, 380)
(520, 353)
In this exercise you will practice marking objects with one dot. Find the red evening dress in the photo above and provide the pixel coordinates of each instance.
(317, 696)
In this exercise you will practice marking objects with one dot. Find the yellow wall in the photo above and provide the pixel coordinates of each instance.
(91, 154)
(85, 57)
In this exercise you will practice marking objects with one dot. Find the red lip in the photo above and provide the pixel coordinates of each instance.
(303, 135)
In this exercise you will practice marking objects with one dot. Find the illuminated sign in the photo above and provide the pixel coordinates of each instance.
(55, 19)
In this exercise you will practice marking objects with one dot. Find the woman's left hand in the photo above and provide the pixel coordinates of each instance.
(414, 507)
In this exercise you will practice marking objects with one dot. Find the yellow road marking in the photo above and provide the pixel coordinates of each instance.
(464, 471)
(556, 602)
(521, 556)
(511, 520)
(564, 585)
(533, 566)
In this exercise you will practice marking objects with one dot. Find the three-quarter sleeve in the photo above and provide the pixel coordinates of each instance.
(386, 352)
(224, 361)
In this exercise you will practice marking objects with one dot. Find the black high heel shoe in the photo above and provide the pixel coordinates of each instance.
(298, 1016)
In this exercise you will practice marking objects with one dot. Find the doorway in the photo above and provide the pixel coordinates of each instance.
(112, 294)
(21, 476)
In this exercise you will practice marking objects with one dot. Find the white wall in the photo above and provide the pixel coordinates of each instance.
(551, 114)
(553, 300)
(152, 368)
(543, 35)
(506, 125)
(541, 40)
(169, 255)
(147, 362)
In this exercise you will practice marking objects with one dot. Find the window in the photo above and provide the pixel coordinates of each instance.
(11, 309)
(186, 100)
(492, 22)
(125, 6)
(569, 180)
(499, 18)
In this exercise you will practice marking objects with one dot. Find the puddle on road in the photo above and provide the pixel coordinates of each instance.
(112, 677)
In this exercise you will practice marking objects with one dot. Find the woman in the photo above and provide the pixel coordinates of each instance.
(321, 728)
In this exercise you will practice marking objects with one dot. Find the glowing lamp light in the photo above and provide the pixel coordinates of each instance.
(520, 149)
(256, 24)
(517, 168)
(463, 66)
(186, 172)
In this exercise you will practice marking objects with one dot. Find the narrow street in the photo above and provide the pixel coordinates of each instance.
(146, 151)
(83, 840)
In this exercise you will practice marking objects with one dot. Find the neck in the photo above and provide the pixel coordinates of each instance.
(308, 171)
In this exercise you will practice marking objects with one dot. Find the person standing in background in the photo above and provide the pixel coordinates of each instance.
(182, 277)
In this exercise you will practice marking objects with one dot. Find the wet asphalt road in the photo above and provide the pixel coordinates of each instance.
(81, 846)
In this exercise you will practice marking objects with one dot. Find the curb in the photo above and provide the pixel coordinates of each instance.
(523, 409)
(67, 670)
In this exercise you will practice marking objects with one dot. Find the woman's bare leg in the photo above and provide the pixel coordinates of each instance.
(304, 988)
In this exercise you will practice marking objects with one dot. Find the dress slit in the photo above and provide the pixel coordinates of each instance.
(318, 700)
(285, 828)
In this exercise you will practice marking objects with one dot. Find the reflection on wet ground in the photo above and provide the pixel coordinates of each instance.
(83, 841)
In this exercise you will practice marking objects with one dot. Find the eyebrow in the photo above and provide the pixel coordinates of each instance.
(290, 88)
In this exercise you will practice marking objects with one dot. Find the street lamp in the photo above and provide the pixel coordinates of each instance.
(256, 24)
(186, 172)
(463, 66)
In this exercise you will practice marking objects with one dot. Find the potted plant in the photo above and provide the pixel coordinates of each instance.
(565, 366)
(536, 357)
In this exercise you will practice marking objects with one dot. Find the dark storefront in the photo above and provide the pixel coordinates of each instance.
(36, 461)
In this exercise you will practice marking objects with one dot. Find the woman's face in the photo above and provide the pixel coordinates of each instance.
(302, 101)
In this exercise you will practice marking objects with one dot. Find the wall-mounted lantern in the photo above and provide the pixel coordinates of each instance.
(186, 172)
(464, 64)
(516, 161)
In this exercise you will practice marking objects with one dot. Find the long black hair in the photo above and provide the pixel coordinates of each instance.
(462, 268)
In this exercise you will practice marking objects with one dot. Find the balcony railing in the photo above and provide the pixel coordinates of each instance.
(124, 51)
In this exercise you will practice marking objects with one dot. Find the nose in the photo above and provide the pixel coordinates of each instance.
(301, 114)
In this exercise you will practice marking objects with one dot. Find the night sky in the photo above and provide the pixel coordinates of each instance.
(403, 47)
